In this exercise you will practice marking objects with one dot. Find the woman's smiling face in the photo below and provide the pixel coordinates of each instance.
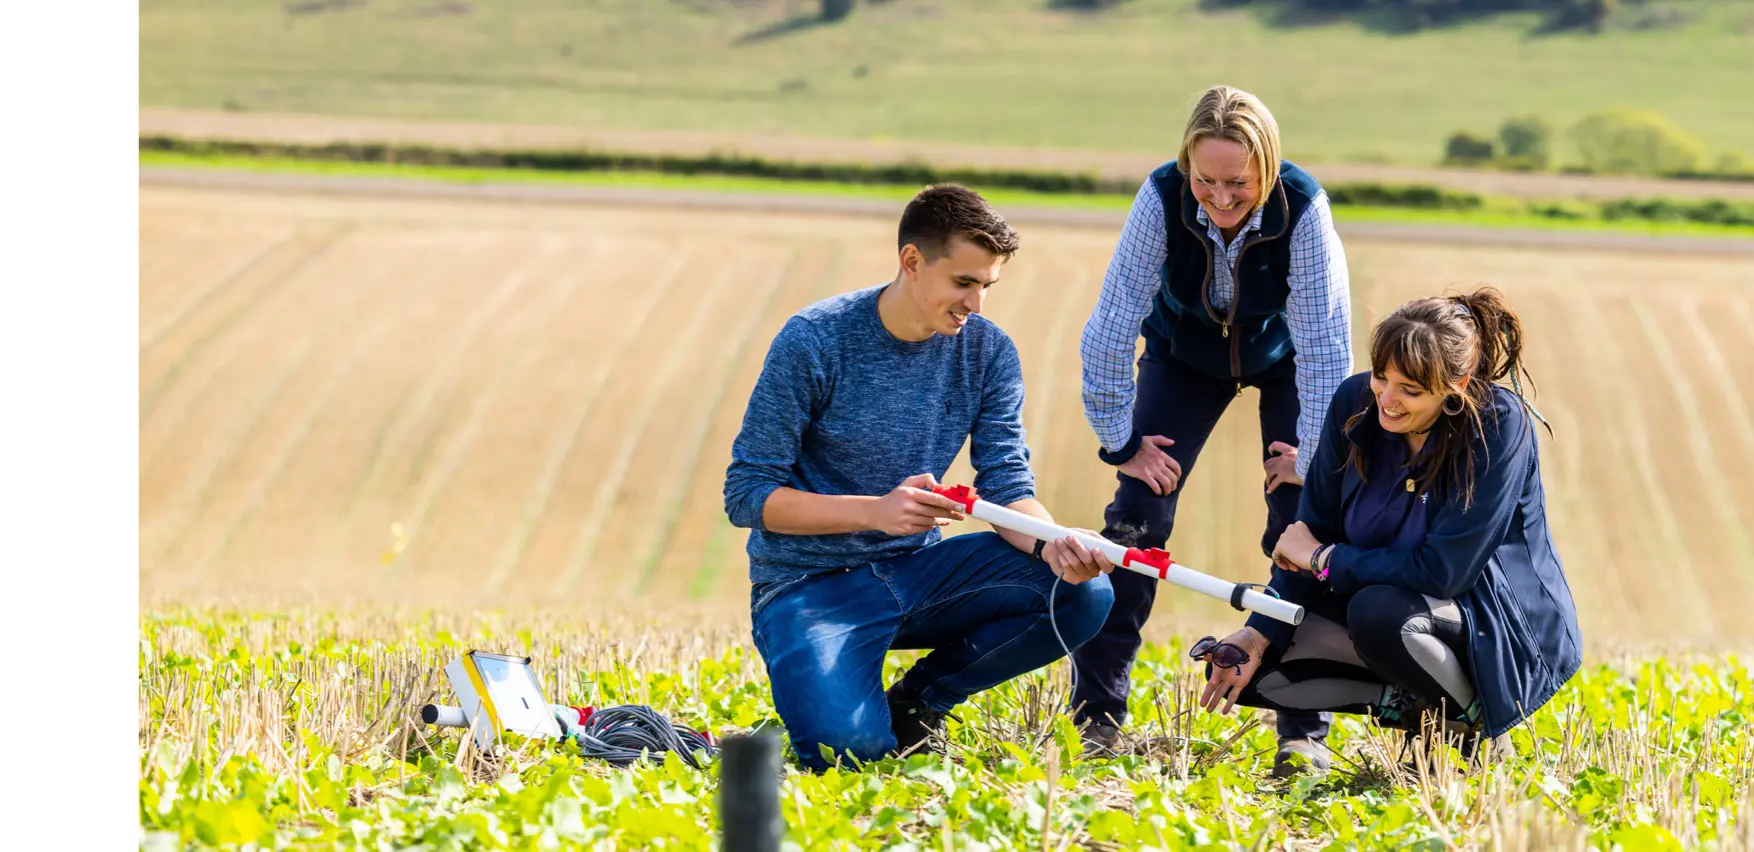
(1225, 181)
(1403, 406)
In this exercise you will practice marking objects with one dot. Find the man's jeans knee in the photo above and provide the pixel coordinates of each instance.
(977, 602)
(1081, 608)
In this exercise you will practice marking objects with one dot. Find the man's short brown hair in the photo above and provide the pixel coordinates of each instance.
(945, 210)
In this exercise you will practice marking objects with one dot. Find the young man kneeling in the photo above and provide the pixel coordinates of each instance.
(866, 398)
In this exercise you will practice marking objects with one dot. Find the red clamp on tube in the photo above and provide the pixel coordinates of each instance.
(960, 494)
(584, 713)
(1156, 557)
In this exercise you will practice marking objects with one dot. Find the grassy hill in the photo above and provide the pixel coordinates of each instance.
(1010, 72)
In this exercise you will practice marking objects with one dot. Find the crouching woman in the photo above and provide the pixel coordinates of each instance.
(1422, 554)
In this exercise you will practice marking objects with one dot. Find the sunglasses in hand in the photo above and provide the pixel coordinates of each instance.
(1224, 654)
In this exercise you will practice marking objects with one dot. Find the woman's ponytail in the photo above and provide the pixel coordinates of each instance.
(1500, 355)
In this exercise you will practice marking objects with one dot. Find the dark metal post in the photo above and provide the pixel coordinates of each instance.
(749, 793)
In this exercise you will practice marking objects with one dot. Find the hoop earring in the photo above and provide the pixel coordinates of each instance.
(1460, 406)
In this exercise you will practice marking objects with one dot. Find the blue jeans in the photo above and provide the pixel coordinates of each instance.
(978, 603)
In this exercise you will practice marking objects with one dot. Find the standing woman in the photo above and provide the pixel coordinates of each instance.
(1421, 554)
(1230, 268)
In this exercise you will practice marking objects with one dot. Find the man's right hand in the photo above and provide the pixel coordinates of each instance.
(1154, 467)
(912, 508)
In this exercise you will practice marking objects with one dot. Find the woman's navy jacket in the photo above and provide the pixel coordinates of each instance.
(1496, 559)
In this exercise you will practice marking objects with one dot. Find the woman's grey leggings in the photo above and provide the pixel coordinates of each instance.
(1384, 652)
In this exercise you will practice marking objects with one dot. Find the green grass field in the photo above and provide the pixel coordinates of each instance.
(1009, 72)
(301, 730)
(1495, 213)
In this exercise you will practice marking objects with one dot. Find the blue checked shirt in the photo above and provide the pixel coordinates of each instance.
(1318, 310)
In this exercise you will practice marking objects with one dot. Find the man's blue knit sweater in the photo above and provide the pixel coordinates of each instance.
(845, 407)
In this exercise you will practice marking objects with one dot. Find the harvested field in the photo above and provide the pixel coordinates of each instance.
(541, 398)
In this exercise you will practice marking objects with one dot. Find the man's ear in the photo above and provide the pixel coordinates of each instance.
(911, 259)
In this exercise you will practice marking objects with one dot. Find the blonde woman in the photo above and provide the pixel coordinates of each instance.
(1230, 268)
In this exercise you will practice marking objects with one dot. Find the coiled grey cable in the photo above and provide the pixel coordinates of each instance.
(622, 735)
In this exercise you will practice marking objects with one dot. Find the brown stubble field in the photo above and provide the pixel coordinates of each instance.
(542, 398)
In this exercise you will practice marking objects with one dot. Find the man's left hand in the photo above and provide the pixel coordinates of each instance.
(1073, 562)
(1282, 467)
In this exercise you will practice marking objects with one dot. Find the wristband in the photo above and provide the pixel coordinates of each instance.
(1039, 544)
(1121, 454)
(1318, 561)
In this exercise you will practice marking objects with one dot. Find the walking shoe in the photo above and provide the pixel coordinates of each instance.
(913, 723)
(1297, 754)
(1478, 748)
(1470, 740)
(1399, 708)
(1100, 740)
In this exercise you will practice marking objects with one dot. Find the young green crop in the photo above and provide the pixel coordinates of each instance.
(299, 730)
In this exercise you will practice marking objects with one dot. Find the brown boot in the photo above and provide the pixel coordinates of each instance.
(1100, 740)
(1300, 754)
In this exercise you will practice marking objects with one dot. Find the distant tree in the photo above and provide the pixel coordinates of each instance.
(834, 10)
(1465, 149)
(1589, 15)
(1733, 164)
(1635, 142)
(1526, 141)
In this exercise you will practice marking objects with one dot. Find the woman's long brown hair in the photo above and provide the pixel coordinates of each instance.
(1435, 342)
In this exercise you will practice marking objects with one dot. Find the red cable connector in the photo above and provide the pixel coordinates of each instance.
(960, 494)
(1156, 557)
